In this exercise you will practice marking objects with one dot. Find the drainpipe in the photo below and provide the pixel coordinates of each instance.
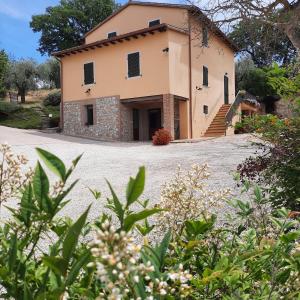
(190, 78)
(61, 125)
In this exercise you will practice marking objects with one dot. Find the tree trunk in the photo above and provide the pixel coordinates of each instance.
(22, 94)
(294, 37)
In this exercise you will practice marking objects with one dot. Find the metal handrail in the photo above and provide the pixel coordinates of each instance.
(240, 97)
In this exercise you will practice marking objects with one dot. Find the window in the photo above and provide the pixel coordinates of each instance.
(205, 109)
(205, 36)
(111, 34)
(154, 22)
(89, 114)
(133, 60)
(89, 73)
(205, 76)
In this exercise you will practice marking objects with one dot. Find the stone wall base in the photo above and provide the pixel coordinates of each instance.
(112, 120)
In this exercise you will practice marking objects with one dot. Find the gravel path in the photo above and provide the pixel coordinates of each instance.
(117, 161)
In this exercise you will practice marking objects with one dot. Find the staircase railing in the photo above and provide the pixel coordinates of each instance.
(240, 97)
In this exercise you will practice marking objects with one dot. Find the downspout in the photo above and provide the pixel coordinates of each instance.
(61, 125)
(190, 78)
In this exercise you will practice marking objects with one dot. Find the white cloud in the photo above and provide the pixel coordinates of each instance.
(13, 12)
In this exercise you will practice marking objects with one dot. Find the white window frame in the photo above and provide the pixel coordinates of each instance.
(140, 60)
(157, 19)
(114, 31)
(94, 68)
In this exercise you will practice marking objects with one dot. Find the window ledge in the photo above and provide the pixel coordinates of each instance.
(133, 77)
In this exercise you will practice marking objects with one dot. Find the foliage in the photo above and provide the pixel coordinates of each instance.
(22, 75)
(277, 165)
(263, 43)
(8, 107)
(24, 118)
(53, 99)
(186, 197)
(63, 26)
(161, 137)
(3, 69)
(49, 73)
(254, 255)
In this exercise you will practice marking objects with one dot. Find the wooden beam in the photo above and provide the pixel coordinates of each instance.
(112, 42)
(120, 41)
(99, 46)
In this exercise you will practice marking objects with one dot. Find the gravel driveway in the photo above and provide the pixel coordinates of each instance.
(117, 161)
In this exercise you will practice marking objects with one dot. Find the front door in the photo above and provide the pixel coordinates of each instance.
(154, 117)
(226, 90)
(136, 126)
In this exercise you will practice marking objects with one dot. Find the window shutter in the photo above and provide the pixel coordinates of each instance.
(205, 36)
(205, 76)
(134, 64)
(89, 73)
(111, 35)
(154, 23)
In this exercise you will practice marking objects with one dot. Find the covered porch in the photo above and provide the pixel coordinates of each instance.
(151, 113)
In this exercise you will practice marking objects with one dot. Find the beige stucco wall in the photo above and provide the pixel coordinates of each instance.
(219, 59)
(110, 66)
(136, 17)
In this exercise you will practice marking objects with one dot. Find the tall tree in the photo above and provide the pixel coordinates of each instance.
(64, 25)
(281, 14)
(22, 75)
(263, 43)
(3, 70)
(49, 73)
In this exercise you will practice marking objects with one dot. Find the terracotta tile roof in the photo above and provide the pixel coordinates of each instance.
(119, 39)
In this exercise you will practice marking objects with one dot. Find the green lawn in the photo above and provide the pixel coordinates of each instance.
(19, 116)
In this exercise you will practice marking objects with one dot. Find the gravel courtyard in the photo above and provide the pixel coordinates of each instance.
(117, 161)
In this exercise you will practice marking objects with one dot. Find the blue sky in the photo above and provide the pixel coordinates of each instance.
(16, 36)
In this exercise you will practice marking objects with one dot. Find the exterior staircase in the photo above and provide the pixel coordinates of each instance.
(218, 125)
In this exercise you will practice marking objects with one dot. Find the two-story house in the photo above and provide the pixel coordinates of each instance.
(147, 66)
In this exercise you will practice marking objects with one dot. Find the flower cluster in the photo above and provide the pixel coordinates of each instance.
(12, 179)
(120, 268)
(186, 197)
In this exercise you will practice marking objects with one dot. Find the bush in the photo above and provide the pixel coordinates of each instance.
(161, 137)
(8, 107)
(277, 163)
(255, 254)
(53, 99)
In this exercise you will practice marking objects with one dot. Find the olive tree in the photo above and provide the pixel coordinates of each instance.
(22, 76)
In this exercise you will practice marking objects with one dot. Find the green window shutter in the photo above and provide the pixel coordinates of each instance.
(205, 76)
(89, 73)
(154, 23)
(226, 90)
(111, 35)
(134, 64)
(205, 36)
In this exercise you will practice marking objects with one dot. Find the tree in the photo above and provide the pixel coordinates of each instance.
(283, 15)
(22, 75)
(49, 73)
(64, 25)
(263, 43)
(3, 69)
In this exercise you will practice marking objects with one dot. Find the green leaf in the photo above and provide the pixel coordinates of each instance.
(291, 236)
(72, 236)
(117, 205)
(135, 187)
(57, 264)
(40, 185)
(131, 219)
(74, 164)
(26, 205)
(12, 256)
(95, 193)
(53, 163)
(162, 248)
(83, 260)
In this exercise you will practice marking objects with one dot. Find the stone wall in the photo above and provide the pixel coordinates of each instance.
(112, 120)
(168, 111)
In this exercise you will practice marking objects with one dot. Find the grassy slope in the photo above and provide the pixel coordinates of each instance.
(26, 117)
